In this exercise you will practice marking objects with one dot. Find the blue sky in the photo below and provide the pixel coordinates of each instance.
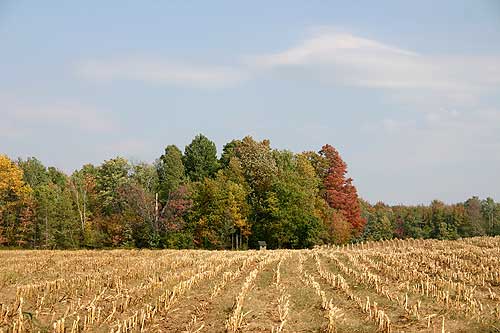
(409, 92)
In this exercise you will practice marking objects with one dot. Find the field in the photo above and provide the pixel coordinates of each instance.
(391, 286)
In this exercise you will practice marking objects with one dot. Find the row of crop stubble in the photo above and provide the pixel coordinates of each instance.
(391, 286)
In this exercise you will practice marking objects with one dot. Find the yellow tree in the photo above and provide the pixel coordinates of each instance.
(15, 204)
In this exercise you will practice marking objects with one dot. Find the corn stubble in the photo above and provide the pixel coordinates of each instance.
(388, 286)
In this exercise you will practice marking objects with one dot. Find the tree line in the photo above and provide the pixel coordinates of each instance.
(193, 199)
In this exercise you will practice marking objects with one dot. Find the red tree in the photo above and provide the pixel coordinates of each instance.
(340, 193)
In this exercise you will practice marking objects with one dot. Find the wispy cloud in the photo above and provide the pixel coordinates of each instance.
(326, 55)
(159, 72)
(346, 59)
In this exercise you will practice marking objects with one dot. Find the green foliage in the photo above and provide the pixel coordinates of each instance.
(258, 163)
(287, 212)
(475, 224)
(252, 193)
(378, 226)
(34, 172)
(219, 211)
(146, 176)
(57, 221)
(110, 176)
(200, 158)
(228, 152)
(170, 169)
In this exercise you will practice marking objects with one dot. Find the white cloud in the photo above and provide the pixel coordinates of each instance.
(327, 55)
(345, 59)
(159, 72)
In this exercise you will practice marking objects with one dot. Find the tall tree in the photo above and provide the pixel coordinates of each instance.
(59, 222)
(292, 220)
(171, 172)
(15, 205)
(220, 212)
(111, 175)
(474, 223)
(173, 214)
(146, 176)
(200, 158)
(55, 216)
(379, 225)
(258, 163)
(34, 172)
(489, 207)
(228, 152)
(138, 214)
(340, 193)
(82, 185)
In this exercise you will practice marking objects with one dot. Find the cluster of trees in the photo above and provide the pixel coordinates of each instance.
(474, 217)
(197, 200)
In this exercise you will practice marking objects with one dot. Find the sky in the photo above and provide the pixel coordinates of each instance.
(407, 91)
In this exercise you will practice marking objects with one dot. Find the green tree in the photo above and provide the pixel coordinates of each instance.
(289, 217)
(110, 176)
(379, 225)
(200, 158)
(171, 172)
(58, 219)
(228, 152)
(146, 176)
(489, 208)
(34, 172)
(220, 212)
(258, 163)
(474, 224)
(55, 217)
(82, 185)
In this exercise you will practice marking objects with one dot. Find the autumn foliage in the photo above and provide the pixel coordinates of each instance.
(15, 205)
(340, 193)
(252, 193)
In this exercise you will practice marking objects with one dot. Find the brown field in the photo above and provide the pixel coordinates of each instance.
(392, 286)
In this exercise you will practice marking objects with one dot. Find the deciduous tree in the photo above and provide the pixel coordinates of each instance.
(200, 158)
(16, 224)
(171, 172)
(340, 193)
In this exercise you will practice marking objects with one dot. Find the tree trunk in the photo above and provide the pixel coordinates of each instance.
(46, 228)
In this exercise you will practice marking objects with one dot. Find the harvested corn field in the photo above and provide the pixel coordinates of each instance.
(391, 286)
